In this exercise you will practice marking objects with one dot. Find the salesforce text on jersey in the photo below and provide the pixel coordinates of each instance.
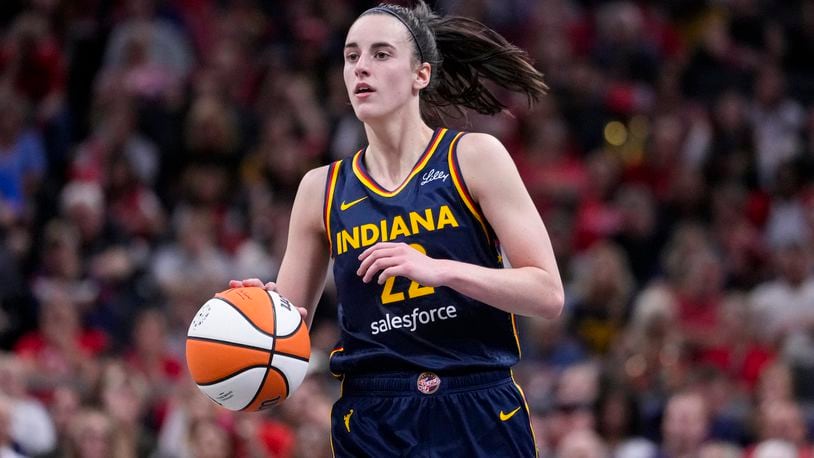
(411, 321)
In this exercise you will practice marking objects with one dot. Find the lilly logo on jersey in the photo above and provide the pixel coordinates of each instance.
(365, 235)
(433, 175)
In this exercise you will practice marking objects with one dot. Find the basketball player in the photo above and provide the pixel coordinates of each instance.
(412, 222)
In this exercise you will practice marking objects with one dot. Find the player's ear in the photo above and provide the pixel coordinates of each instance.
(423, 73)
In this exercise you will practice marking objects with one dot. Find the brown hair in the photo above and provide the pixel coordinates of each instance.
(464, 53)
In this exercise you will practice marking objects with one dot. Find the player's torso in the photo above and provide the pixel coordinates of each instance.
(402, 325)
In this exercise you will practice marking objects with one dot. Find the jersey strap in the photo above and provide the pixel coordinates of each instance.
(460, 186)
(330, 188)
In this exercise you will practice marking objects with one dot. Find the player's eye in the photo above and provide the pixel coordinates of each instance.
(351, 57)
(381, 55)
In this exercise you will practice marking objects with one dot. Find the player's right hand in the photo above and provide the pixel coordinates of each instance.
(253, 282)
(256, 282)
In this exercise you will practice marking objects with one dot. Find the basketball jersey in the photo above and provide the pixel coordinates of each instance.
(402, 325)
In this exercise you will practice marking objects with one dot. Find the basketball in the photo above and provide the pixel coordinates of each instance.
(248, 349)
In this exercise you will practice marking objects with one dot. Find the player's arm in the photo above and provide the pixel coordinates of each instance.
(532, 286)
(302, 273)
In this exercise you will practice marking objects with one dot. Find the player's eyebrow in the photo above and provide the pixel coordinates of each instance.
(378, 44)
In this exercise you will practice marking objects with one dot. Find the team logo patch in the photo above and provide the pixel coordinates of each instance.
(428, 383)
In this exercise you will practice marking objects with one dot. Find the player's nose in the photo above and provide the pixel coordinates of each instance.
(362, 66)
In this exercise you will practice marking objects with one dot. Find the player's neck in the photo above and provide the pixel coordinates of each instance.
(393, 149)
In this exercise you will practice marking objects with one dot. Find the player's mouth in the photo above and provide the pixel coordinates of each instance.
(363, 90)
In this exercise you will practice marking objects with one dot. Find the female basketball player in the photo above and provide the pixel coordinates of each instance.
(412, 222)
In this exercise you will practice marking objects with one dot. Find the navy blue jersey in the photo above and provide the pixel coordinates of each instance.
(402, 325)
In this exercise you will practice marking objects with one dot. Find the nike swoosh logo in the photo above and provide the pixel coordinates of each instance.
(506, 416)
(344, 206)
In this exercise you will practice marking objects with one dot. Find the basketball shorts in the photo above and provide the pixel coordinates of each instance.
(428, 416)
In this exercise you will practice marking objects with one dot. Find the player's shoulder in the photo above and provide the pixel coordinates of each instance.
(310, 197)
(312, 186)
(480, 153)
(484, 162)
(314, 179)
(478, 146)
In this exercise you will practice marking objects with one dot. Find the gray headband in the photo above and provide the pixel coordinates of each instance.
(379, 9)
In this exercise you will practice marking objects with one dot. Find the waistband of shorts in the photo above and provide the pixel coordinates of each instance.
(407, 383)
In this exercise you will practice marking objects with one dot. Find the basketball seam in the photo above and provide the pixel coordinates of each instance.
(259, 386)
(274, 345)
(250, 320)
(285, 380)
(271, 353)
(233, 374)
(289, 355)
(299, 325)
(274, 317)
(227, 342)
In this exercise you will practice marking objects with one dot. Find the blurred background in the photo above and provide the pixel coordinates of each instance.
(150, 151)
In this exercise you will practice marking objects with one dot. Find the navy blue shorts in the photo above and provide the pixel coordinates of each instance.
(424, 415)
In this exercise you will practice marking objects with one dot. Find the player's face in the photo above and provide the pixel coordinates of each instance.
(379, 71)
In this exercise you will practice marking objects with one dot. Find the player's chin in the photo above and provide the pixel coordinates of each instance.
(367, 112)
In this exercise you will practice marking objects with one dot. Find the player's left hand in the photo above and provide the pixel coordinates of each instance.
(398, 259)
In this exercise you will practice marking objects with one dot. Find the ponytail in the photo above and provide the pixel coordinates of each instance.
(464, 53)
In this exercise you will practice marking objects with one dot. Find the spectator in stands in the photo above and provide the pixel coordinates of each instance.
(783, 304)
(784, 421)
(186, 268)
(731, 154)
(775, 449)
(640, 233)
(186, 408)
(93, 435)
(33, 64)
(26, 413)
(149, 354)
(115, 137)
(697, 283)
(207, 439)
(7, 448)
(61, 350)
(685, 425)
(601, 298)
(307, 419)
(572, 404)
(22, 159)
(156, 42)
(720, 450)
(64, 408)
(618, 420)
(776, 121)
(123, 396)
(582, 443)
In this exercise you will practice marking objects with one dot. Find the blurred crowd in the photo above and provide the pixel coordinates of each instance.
(150, 151)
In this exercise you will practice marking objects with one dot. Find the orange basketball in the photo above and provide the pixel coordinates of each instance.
(248, 348)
